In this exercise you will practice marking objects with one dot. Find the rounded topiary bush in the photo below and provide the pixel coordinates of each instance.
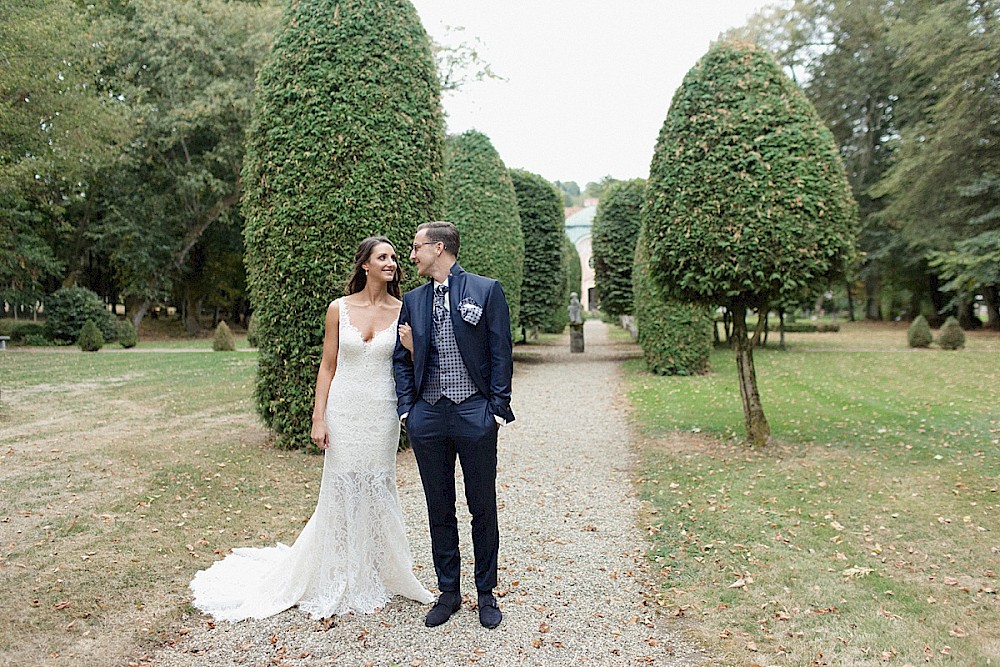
(951, 336)
(91, 339)
(675, 337)
(252, 340)
(67, 309)
(539, 207)
(223, 339)
(919, 333)
(616, 227)
(480, 201)
(127, 336)
(345, 141)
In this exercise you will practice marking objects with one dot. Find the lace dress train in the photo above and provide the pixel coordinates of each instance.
(352, 555)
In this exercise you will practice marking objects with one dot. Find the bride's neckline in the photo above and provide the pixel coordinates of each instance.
(375, 334)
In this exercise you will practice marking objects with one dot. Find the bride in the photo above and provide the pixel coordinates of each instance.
(352, 555)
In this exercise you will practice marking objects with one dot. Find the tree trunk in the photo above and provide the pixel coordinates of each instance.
(758, 430)
(967, 315)
(850, 311)
(139, 312)
(781, 326)
(192, 309)
(992, 297)
(872, 310)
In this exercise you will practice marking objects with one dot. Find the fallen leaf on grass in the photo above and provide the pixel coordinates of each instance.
(857, 571)
(958, 632)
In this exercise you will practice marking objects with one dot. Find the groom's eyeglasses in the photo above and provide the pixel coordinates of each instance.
(416, 246)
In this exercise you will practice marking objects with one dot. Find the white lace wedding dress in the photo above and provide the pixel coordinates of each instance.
(352, 556)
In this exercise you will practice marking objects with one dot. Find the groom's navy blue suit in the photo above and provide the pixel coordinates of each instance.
(442, 429)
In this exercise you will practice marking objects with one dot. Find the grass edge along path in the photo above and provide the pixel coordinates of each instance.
(866, 535)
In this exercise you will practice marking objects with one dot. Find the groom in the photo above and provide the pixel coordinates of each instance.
(452, 397)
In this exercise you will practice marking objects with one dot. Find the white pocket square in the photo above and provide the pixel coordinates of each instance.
(470, 311)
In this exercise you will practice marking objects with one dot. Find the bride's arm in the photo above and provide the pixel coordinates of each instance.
(327, 369)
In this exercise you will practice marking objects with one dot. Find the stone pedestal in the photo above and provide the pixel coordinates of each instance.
(576, 337)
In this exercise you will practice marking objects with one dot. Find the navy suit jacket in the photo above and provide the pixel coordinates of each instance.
(486, 347)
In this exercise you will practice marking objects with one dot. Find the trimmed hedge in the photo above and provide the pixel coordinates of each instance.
(615, 230)
(951, 336)
(809, 327)
(480, 201)
(345, 141)
(21, 332)
(91, 339)
(676, 338)
(747, 202)
(539, 207)
(69, 308)
(919, 333)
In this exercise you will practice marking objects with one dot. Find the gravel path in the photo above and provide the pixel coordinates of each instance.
(572, 571)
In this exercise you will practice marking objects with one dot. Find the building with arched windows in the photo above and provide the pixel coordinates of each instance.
(579, 223)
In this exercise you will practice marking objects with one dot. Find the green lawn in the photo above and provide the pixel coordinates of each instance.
(121, 473)
(866, 535)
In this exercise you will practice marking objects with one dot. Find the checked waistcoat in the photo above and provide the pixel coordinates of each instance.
(446, 372)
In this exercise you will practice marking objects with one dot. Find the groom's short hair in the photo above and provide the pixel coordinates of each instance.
(443, 232)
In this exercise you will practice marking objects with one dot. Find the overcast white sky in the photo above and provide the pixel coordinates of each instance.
(588, 83)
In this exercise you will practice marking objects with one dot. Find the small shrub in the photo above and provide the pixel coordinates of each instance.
(919, 333)
(91, 339)
(951, 336)
(127, 336)
(223, 340)
(70, 307)
(21, 332)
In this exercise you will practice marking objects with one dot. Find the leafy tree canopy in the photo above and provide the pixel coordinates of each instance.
(747, 198)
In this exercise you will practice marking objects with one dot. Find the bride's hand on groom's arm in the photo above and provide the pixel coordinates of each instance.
(406, 337)
(319, 435)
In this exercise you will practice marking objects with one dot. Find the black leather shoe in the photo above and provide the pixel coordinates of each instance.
(489, 613)
(446, 605)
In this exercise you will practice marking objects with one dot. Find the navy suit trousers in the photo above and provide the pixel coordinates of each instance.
(438, 433)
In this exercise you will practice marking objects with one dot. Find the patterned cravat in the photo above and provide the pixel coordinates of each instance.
(440, 311)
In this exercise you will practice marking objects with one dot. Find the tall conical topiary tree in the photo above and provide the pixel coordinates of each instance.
(480, 201)
(574, 271)
(540, 209)
(615, 230)
(346, 141)
(747, 202)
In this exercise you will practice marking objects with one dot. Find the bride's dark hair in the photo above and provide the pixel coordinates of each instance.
(359, 278)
